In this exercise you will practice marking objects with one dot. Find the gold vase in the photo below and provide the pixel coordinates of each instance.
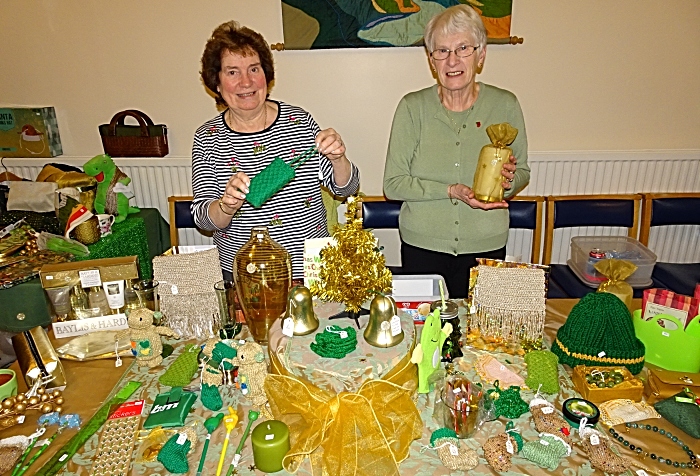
(262, 271)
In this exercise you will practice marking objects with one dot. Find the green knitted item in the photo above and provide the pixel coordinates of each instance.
(510, 431)
(211, 398)
(174, 456)
(329, 343)
(222, 351)
(542, 369)
(546, 452)
(274, 177)
(507, 402)
(599, 331)
(181, 371)
(442, 433)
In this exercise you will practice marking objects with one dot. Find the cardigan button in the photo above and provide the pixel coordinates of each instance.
(21, 316)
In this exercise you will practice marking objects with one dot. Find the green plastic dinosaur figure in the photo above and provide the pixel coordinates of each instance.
(113, 192)
(428, 353)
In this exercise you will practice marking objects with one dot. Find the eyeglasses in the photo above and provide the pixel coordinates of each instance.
(464, 51)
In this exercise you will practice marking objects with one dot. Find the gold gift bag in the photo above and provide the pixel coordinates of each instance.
(617, 271)
(488, 181)
(38, 359)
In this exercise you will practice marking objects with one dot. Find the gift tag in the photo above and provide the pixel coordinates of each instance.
(288, 327)
(343, 335)
(181, 439)
(395, 326)
(453, 450)
(509, 446)
(269, 437)
(601, 354)
(173, 289)
(544, 442)
(547, 410)
(641, 472)
(595, 441)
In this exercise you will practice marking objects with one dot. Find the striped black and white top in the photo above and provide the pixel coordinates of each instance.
(295, 213)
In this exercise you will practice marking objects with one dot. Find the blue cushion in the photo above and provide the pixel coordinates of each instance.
(569, 213)
(522, 214)
(573, 287)
(678, 277)
(183, 215)
(381, 214)
(675, 211)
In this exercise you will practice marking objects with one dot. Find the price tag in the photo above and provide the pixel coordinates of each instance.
(453, 450)
(509, 447)
(269, 437)
(343, 335)
(20, 419)
(502, 368)
(601, 353)
(595, 440)
(173, 289)
(63, 458)
(90, 278)
(395, 326)
(544, 442)
(288, 327)
(665, 334)
(182, 437)
(547, 410)
(457, 390)
(641, 472)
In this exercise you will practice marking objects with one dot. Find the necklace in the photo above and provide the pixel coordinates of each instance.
(691, 464)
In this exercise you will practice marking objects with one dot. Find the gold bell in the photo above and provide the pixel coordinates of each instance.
(300, 309)
(384, 326)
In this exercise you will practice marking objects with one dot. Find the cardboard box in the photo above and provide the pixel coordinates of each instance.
(107, 269)
(29, 132)
(631, 387)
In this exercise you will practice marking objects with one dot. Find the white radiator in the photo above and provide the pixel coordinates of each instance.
(553, 173)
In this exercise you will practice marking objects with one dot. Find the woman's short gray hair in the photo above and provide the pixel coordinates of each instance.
(456, 19)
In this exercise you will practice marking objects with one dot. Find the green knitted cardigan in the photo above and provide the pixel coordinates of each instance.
(599, 331)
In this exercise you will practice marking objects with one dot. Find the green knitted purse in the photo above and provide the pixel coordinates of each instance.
(542, 369)
(274, 177)
(547, 451)
(181, 371)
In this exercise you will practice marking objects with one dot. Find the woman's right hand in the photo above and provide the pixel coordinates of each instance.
(459, 191)
(235, 191)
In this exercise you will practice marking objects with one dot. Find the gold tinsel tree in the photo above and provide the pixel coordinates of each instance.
(353, 269)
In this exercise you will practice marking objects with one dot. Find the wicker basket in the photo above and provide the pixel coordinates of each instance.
(144, 140)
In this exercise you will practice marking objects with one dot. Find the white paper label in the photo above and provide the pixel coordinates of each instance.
(652, 310)
(343, 335)
(641, 472)
(90, 278)
(288, 327)
(453, 450)
(118, 363)
(251, 267)
(395, 326)
(601, 353)
(509, 446)
(544, 442)
(457, 390)
(78, 327)
(20, 419)
(181, 439)
(502, 368)
(173, 289)
(48, 278)
(665, 334)
(595, 441)
(547, 410)
(269, 437)
(63, 458)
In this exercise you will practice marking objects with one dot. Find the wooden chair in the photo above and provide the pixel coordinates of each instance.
(180, 216)
(567, 211)
(667, 209)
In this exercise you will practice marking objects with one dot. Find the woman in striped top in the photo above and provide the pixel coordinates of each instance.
(239, 143)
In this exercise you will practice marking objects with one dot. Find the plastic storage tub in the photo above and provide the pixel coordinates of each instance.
(620, 247)
(411, 291)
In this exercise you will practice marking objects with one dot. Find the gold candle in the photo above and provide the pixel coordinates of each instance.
(488, 181)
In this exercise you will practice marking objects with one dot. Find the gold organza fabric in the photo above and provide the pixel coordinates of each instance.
(617, 271)
(364, 433)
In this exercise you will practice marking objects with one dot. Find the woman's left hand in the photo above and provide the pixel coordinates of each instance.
(330, 144)
(508, 172)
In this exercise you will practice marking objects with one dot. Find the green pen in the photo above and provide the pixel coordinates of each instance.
(252, 416)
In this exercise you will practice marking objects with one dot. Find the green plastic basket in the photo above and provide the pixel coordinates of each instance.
(671, 349)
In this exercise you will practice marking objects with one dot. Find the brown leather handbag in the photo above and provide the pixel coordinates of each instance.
(662, 384)
(144, 140)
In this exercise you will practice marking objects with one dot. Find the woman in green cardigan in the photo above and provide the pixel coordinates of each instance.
(436, 137)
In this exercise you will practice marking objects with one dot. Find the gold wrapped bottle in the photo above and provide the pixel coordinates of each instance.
(488, 181)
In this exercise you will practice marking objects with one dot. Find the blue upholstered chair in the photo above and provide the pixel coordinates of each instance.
(566, 211)
(180, 216)
(665, 209)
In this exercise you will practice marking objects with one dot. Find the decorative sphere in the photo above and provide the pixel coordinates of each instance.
(56, 393)
(44, 397)
(46, 408)
(59, 401)
(8, 403)
(58, 408)
(20, 407)
(41, 391)
(33, 400)
(20, 397)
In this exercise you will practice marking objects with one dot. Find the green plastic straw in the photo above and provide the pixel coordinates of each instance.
(252, 416)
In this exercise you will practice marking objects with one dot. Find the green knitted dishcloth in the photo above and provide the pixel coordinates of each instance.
(274, 177)
(599, 331)
(542, 369)
(546, 452)
(211, 398)
(181, 371)
(335, 342)
(507, 403)
(174, 456)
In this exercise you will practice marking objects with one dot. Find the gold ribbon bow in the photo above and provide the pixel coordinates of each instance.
(363, 433)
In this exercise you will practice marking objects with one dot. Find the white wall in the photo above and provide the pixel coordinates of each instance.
(591, 75)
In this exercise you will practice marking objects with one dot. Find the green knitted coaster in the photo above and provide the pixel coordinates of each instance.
(507, 402)
(599, 331)
(546, 452)
(181, 371)
(335, 342)
(542, 369)
(174, 456)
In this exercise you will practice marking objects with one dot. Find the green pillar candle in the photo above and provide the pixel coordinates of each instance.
(270, 445)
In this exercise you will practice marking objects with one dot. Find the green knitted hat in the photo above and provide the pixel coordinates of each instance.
(599, 331)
